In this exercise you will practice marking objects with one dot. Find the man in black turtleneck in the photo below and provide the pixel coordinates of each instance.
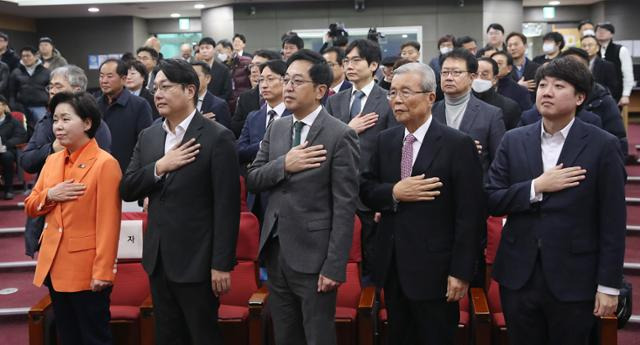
(484, 87)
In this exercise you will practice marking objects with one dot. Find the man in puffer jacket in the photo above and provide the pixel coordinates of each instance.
(601, 103)
(27, 86)
(49, 55)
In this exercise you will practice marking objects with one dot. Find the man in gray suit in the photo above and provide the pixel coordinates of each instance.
(463, 111)
(308, 163)
(366, 109)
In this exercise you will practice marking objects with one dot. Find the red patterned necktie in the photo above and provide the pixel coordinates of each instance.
(407, 156)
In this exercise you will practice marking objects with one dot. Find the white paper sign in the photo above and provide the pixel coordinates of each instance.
(130, 244)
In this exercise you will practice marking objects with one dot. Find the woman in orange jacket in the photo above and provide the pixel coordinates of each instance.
(78, 192)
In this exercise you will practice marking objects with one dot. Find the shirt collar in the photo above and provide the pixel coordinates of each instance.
(563, 132)
(279, 109)
(201, 97)
(366, 89)
(73, 157)
(336, 88)
(182, 127)
(421, 132)
(309, 119)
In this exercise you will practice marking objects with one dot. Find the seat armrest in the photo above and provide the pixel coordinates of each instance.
(257, 302)
(608, 330)
(367, 299)
(147, 322)
(37, 315)
(366, 316)
(258, 299)
(480, 317)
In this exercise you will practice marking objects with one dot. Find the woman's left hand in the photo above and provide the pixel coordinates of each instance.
(99, 285)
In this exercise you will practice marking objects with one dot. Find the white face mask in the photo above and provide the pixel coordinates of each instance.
(480, 85)
(548, 48)
(588, 32)
(444, 50)
(223, 57)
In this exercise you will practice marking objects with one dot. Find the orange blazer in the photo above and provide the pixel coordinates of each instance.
(80, 237)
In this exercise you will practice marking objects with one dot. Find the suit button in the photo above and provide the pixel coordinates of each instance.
(59, 229)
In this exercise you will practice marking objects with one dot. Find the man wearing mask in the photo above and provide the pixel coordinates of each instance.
(586, 28)
(506, 85)
(49, 55)
(27, 86)
(220, 84)
(524, 71)
(552, 45)
(620, 57)
(445, 45)
(484, 88)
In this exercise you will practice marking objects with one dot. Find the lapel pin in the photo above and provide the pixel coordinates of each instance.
(81, 166)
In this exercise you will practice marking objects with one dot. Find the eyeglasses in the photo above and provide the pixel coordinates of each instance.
(297, 82)
(56, 87)
(270, 80)
(455, 74)
(164, 88)
(404, 94)
(354, 60)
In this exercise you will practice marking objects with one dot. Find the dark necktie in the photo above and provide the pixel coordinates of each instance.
(356, 106)
(272, 115)
(331, 93)
(406, 163)
(297, 132)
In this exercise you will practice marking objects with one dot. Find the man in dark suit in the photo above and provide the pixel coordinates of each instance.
(484, 88)
(210, 106)
(248, 144)
(524, 70)
(532, 116)
(308, 163)
(187, 167)
(334, 57)
(250, 100)
(463, 111)
(125, 114)
(506, 85)
(604, 72)
(239, 42)
(364, 107)
(220, 84)
(426, 180)
(561, 182)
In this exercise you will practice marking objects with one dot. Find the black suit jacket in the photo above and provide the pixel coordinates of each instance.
(533, 115)
(510, 109)
(530, 69)
(220, 84)
(218, 106)
(604, 72)
(432, 239)
(579, 232)
(194, 212)
(248, 101)
(148, 96)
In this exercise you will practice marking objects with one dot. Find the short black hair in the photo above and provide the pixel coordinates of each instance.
(276, 66)
(462, 54)
(267, 54)
(494, 64)
(585, 22)
(446, 38)
(414, 44)
(180, 72)
(121, 67)
(581, 53)
(495, 26)
(205, 67)
(83, 104)
(556, 37)
(506, 55)
(571, 71)
(226, 44)
(463, 40)
(367, 49)
(241, 37)
(138, 66)
(128, 57)
(339, 53)
(517, 34)
(154, 54)
(28, 48)
(293, 39)
(320, 72)
(207, 40)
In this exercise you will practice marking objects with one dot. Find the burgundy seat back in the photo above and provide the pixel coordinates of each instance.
(131, 286)
(349, 291)
(243, 196)
(494, 232)
(493, 297)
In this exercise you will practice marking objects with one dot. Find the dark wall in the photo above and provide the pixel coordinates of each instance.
(76, 38)
(624, 16)
(19, 39)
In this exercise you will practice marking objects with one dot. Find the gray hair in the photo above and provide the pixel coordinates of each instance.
(425, 72)
(73, 74)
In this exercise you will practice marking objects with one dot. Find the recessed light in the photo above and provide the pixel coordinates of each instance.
(93, 9)
(175, 15)
(554, 3)
(198, 6)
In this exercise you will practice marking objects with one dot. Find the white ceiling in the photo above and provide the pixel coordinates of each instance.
(531, 3)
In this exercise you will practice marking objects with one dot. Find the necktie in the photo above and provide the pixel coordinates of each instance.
(272, 115)
(407, 156)
(331, 93)
(297, 132)
(356, 106)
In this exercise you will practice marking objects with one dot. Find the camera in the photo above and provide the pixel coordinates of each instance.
(338, 35)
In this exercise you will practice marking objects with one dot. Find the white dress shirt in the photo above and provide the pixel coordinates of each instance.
(136, 92)
(367, 91)
(175, 137)
(419, 134)
(628, 81)
(336, 88)
(279, 109)
(551, 146)
(308, 122)
(201, 100)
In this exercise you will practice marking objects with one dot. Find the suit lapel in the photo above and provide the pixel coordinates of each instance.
(395, 152)
(533, 149)
(261, 121)
(317, 126)
(470, 114)
(574, 144)
(438, 113)
(372, 101)
(84, 162)
(429, 149)
(193, 132)
(344, 105)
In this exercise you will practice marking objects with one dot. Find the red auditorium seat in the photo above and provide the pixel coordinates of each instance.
(243, 196)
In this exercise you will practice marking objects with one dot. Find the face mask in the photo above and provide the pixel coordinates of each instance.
(444, 50)
(223, 57)
(480, 85)
(548, 48)
(588, 32)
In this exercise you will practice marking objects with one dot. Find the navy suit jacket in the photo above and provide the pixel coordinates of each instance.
(578, 232)
(533, 115)
(509, 88)
(218, 106)
(252, 133)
